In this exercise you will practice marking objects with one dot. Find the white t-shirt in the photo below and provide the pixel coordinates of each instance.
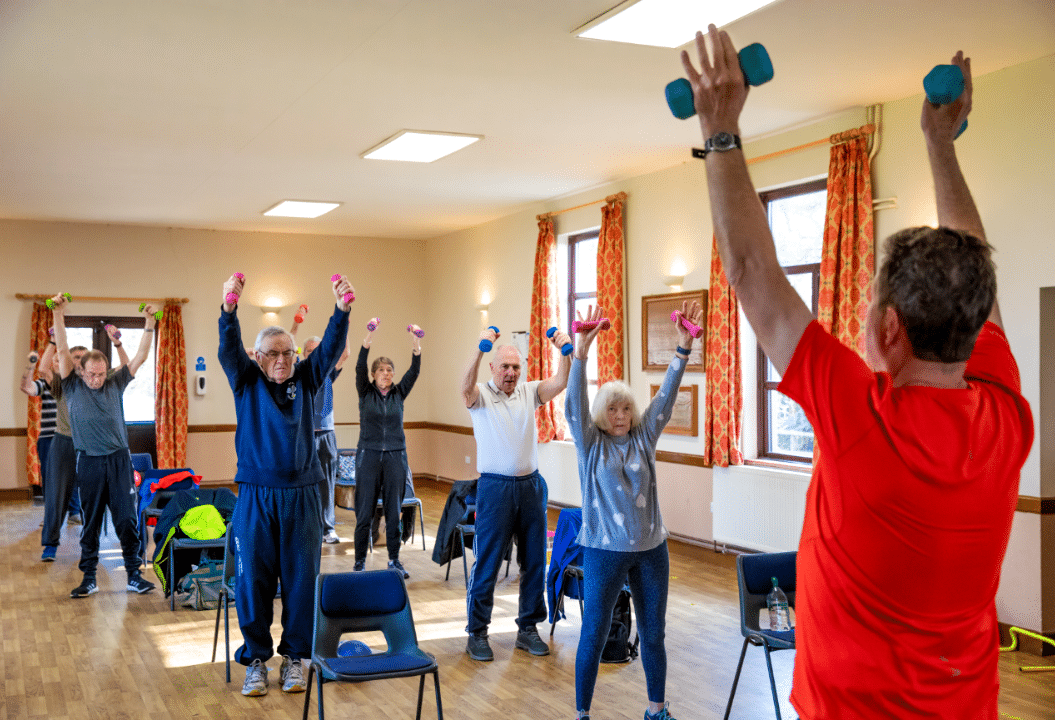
(504, 427)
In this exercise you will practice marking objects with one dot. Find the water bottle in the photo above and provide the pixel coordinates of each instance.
(777, 602)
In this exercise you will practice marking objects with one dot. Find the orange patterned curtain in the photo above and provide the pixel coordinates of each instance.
(39, 323)
(170, 397)
(545, 313)
(611, 250)
(848, 254)
(721, 416)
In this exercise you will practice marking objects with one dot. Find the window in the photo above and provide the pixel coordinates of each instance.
(796, 217)
(582, 290)
(88, 330)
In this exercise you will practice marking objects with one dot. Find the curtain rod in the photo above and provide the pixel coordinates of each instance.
(835, 139)
(610, 198)
(89, 298)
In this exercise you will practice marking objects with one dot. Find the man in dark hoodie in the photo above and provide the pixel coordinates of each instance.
(277, 524)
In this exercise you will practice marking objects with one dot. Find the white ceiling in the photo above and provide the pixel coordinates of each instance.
(204, 113)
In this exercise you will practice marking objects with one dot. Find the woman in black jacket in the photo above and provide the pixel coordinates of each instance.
(381, 458)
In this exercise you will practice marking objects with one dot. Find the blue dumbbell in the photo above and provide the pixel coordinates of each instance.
(566, 348)
(943, 85)
(755, 64)
(486, 345)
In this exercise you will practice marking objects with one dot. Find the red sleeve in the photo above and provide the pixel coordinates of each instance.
(991, 360)
(833, 385)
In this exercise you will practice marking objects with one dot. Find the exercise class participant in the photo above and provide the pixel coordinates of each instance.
(622, 537)
(95, 400)
(511, 494)
(909, 510)
(326, 440)
(381, 457)
(277, 523)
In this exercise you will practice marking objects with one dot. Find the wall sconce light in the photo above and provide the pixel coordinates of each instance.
(485, 301)
(674, 281)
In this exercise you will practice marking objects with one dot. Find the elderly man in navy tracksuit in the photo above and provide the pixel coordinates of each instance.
(277, 527)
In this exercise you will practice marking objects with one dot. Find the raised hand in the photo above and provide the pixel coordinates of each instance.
(232, 291)
(941, 123)
(718, 90)
(694, 314)
(583, 340)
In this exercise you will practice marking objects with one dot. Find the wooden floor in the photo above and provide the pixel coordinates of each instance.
(117, 655)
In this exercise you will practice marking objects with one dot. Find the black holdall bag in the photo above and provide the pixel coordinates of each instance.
(618, 648)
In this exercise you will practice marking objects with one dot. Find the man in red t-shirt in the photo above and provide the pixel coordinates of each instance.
(909, 510)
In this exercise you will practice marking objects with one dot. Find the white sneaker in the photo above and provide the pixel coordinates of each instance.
(291, 675)
(331, 538)
(255, 679)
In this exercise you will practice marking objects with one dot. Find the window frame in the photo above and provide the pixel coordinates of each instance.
(573, 296)
(763, 385)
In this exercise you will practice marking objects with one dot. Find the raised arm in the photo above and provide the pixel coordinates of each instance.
(940, 123)
(554, 385)
(470, 392)
(61, 345)
(47, 361)
(28, 386)
(145, 342)
(745, 243)
(122, 355)
(657, 414)
(577, 401)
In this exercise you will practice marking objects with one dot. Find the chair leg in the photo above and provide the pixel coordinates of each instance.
(421, 517)
(559, 606)
(465, 563)
(172, 574)
(736, 679)
(772, 681)
(449, 563)
(227, 637)
(216, 633)
(421, 693)
(439, 703)
(319, 701)
(307, 692)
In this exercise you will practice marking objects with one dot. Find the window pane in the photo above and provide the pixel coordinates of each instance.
(586, 266)
(790, 432)
(803, 284)
(79, 336)
(139, 395)
(798, 227)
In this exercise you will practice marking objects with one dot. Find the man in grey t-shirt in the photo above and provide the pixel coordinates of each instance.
(104, 465)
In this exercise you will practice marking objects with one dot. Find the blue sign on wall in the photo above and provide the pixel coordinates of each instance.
(200, 367)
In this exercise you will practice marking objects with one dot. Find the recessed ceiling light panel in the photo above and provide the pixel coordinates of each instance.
(420, 146)
(301, 209)
(665, 23)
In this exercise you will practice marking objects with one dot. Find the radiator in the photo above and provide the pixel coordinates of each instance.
(759, 508)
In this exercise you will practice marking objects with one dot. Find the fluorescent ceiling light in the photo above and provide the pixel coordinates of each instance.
(419, 146)
(665, 23)
(301, 209)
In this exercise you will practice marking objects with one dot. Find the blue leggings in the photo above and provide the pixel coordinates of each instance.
(604, 573)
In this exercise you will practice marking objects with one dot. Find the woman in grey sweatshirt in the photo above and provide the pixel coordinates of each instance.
(622, 536)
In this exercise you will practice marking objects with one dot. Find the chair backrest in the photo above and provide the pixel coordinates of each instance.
(364, 601)
(753, 575)
(142, 462)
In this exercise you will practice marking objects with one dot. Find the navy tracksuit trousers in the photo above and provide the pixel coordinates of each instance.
(508, 506)
(277, 534)
(106, 481)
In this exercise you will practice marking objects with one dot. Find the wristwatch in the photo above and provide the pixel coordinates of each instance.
(721, 142)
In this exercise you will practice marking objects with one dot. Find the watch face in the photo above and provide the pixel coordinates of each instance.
(724, 141)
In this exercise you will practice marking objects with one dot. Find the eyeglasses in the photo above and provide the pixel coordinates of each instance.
(274, 354)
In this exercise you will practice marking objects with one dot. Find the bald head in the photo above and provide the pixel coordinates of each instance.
(505, 368)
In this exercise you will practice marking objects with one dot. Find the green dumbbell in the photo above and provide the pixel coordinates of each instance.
(51, 303)
(157, 315)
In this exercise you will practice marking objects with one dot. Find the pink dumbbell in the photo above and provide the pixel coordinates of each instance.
(694, 330)
(113, 331)
(299, 317)
(232, 298)
(349, 297)
(416, 330)
(581, 326)
(373, 324)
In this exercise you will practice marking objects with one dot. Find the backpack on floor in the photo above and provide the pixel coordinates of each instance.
(618, 648)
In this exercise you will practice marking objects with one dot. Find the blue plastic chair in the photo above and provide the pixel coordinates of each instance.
(753, 575)
(368, 601)
(225, 599)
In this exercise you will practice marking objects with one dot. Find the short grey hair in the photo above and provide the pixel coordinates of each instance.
(612, 392)
(315, 339)
(272, 331)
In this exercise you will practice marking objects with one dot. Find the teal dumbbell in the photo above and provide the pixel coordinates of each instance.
(943, 85)
(755, 64)
(486, 345)
(158, 314)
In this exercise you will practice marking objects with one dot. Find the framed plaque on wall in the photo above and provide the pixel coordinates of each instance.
(659, 337)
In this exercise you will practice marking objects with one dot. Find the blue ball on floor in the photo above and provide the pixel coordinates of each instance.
(351, 648)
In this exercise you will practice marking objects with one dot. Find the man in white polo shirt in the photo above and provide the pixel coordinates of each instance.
(511, 495)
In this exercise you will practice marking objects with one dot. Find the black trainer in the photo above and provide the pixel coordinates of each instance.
(479, 649)
(396, 565)
(86, 588)
(359, 566)
(529, 640)
(138, 584)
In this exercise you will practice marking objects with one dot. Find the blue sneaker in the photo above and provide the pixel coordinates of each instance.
(49, 553)
(663, 714)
